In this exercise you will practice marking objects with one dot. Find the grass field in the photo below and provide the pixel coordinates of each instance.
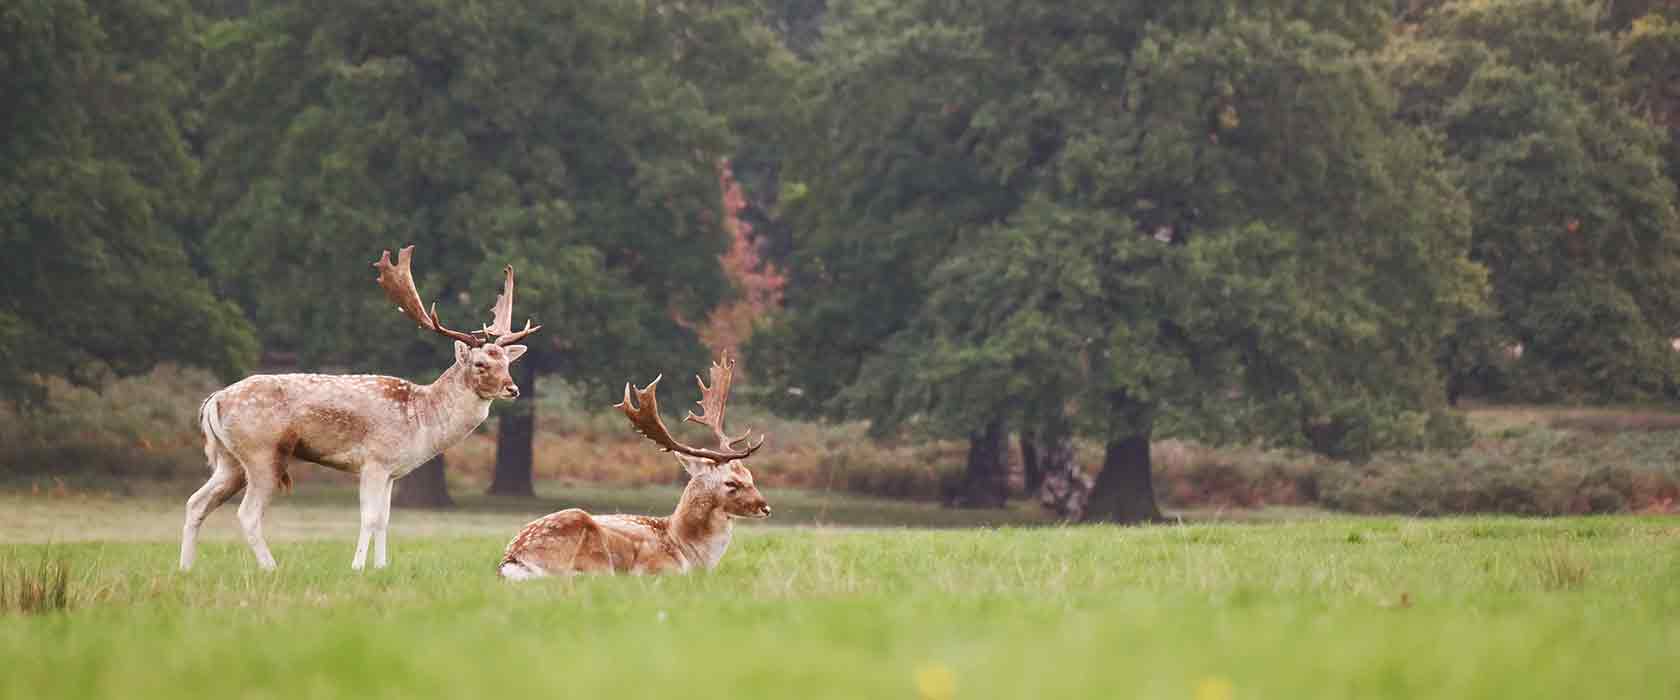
(1317, 607)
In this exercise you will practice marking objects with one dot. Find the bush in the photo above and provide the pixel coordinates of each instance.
(1531, 461)
(1189, 476)
(921, 473)
(1538, 471)
(139, 426)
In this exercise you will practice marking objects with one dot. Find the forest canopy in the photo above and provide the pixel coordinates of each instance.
(1305, 223)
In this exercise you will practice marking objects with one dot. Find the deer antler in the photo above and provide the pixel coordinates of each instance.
(712, 401)
(398, 282)
(502, 324)
(643, 413)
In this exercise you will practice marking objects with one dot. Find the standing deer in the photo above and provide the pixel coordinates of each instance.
(694, 536)
(380, 428)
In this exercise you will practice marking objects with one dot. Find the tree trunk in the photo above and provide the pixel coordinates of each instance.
(515, 433)
(1125, 489)
(1032, 476)
(986, 482)
(425, 487)
(1065, 488)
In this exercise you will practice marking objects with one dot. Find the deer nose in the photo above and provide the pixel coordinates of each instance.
(513, 391)
(765, 509)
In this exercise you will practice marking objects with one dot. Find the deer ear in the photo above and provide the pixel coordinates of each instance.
(462, 353)
(515, 352)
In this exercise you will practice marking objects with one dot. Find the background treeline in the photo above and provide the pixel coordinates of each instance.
(1105, 229)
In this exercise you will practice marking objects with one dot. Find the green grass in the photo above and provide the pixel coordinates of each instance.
(1314, 608)
(151, 511)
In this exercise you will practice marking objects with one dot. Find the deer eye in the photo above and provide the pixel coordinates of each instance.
(481, 364)
(733, 485)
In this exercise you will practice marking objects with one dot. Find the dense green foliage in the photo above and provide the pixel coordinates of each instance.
(560, 139)
(283, 146)
(579, 143)
(1307, 223)
(1573, 214)
(1374, 608)
(95, 189)
(1164, 220)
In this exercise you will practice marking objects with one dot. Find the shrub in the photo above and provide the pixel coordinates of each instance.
(139, 426)
(1540, 471)
(1188, 475)
(1525, 460)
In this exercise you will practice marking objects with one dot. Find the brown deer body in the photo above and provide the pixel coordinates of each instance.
(377, 427)
(695, 536)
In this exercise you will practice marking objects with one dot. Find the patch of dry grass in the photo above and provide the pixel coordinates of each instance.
(1510, 419)
(1190, 475)
(1615, 421)
(33, 589)
(1561, 569)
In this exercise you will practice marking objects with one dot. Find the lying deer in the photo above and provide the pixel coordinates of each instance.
(694, 536)
(380, 428)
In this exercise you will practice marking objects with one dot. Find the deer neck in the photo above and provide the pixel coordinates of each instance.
(700, 527)
(448, 409)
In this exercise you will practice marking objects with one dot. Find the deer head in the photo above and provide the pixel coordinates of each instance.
(483, 356)
(719, 472)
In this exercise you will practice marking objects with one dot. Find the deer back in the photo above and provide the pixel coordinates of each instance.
(345, 421)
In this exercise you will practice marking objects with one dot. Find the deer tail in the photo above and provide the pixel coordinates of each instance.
(216, 445)
(210, 423)
(512, 569)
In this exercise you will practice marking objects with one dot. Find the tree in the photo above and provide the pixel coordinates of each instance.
(757, 280)
(95, 184)
(1152, 220)
(873, 215)
(1573, 215)
(1648, 49)
(426, 487)
(566, 140)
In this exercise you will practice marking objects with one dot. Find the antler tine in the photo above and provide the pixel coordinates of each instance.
(643, 411)
(501, 324)
(501, 314)
(398, 282)
(714, 399)
(512, 338)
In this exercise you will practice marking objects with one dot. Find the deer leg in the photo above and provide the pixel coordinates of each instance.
(225, 481)
(384, 526)
(262, 476)
(376, 483)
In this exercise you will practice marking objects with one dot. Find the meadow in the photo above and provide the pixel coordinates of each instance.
(1271, 585)
(1303, 606)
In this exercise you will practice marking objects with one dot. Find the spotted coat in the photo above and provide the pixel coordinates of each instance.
(694, 536)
